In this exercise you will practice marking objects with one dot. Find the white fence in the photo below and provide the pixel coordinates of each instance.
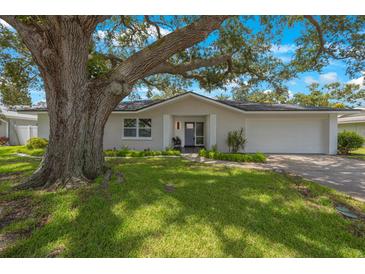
(24, 133)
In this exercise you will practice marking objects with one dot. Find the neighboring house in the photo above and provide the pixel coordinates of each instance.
(202, 121)
(353, 122)
(18, 127)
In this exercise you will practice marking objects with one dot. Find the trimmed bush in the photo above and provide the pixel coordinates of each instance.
(349, 141)
(234, 157)
(137, 153)
(35, 143)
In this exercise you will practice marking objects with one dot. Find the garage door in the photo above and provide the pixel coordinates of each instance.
(287, 135)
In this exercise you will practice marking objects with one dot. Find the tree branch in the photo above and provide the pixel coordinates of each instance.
(139, 65)
(147, 18)
(314, 22)
(322, 46)
(167, 67)
(31, 35)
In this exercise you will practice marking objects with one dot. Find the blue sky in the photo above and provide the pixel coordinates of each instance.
(335, 71)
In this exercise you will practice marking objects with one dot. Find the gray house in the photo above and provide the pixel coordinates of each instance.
(353, 122)
(18, 127)
(200, 121)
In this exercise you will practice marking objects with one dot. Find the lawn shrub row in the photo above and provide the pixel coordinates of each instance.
(137, 153)
(235, 157)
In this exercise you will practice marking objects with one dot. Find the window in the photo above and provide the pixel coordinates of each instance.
(130, 127)
(199, 133)
(137, 128)
(144, 128)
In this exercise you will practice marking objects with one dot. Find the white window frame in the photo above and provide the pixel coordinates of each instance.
(137, 130)
(196, 136)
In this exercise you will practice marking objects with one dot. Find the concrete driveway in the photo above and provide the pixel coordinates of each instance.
(344, 174)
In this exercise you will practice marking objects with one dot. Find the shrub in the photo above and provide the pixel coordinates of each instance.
(236, 140)
(3, 140)
(348, 141)
(235, 157)
(203, 152)
(34, 143)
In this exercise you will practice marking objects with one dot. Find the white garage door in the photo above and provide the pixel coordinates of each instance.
(287, 135)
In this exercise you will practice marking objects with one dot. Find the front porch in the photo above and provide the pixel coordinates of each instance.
(190, 133)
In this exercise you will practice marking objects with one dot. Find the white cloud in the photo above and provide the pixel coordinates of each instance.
(328, 77)
(5, 24)
(291, 94)
(101, 34)
(292, 82)
(284, 48)
(309, 80)
(358, 81)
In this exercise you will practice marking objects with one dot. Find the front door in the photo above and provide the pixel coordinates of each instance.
(189, 134)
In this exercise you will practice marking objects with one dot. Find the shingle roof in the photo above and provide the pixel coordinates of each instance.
(249, 106)
(245, 106)
(136, 105)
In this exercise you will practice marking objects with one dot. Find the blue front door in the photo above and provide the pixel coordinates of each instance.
(189, 134)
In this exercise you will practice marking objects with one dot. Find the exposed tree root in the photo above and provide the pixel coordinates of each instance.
(42, 179)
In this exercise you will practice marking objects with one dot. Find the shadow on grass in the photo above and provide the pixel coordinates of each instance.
(213, 212)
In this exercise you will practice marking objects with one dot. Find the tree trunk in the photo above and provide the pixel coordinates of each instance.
(75, 151)
(77, 110)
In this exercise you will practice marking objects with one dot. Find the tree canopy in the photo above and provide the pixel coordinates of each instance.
(238, 52)
(329, 95)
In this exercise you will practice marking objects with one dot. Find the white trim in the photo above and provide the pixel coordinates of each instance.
(332, 134)
(351, 122)
(15, 115)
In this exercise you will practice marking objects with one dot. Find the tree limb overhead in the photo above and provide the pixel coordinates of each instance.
(141, 63)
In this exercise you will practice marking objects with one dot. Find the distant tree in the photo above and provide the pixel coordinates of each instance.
(330, 95)
(245, 94)
(222, 96)
(18, 72)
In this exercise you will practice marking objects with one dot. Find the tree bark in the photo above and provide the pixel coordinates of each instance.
(78, 109)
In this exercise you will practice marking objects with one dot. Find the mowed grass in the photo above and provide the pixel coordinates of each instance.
(214, 211)
(359, 153)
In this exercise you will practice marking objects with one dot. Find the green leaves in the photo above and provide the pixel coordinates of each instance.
(331, 95)
(247, 39)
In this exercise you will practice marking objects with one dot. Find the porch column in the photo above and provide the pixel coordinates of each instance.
(166, 131)
(332, 134)
(212, 137)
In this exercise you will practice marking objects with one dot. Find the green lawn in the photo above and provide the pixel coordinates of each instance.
(359, 154)
(214, 212)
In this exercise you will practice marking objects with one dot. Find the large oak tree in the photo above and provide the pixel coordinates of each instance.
(88, 64)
